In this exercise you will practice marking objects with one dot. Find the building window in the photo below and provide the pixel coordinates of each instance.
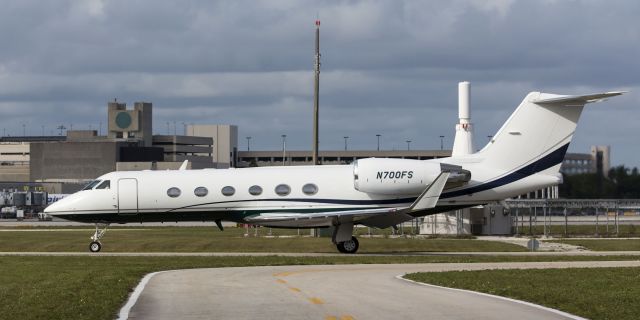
(201, 191)
(283, 189)
(255, 190)
(228, 191)
(310, 189)
(173, 192)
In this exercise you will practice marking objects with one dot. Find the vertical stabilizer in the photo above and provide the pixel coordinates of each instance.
(537, 135)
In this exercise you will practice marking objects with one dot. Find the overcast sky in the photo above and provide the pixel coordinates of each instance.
(388, 67)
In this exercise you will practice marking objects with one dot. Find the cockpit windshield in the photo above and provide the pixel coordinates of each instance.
(104, 185)
(91, 184)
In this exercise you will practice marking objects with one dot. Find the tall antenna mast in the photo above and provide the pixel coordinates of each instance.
(315, 96)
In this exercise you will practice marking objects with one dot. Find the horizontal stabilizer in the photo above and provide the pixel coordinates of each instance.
(580, 100)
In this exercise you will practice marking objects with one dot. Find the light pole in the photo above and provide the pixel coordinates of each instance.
(378, 135)
(248, 143)
(441, 142)
(184, 124)
(284, 148)
(345, 142)
(24, 130)
(408, 145)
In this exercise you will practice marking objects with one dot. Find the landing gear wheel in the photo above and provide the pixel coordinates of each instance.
(95, 246)
(349, 246)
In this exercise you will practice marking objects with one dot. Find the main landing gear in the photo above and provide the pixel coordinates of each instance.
(343, 239)
(349, 246)
(95, 245)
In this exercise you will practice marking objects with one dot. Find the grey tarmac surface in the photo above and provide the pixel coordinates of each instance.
(331, 292)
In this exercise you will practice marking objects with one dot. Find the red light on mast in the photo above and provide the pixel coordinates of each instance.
(318, 23)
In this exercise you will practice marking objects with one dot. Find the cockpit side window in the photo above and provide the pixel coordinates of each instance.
(104, 185)
(91, 184)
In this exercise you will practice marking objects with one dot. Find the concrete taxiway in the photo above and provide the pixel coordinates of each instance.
(329, 292)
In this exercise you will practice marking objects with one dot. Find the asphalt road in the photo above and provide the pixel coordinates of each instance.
(330, 292)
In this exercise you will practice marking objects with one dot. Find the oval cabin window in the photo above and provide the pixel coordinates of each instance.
(228, 191)
(310, 189)
(201, 191)
(283, 189)
(173, 192)
(255, 190)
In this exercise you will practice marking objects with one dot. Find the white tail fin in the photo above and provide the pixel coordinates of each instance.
(537, 134)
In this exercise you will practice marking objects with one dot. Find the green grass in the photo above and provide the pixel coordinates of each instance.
(201, 239)
(95, 287)
(598, 293)
(581, 230)
(605, 245)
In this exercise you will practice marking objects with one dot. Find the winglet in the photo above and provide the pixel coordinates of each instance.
(183, 166)
(429, 197)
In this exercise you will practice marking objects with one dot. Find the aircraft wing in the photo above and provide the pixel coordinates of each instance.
(427, 200)
(376, 217)
(316, 219)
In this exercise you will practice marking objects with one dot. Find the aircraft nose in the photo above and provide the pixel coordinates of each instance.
(58, 206)
(52, 208)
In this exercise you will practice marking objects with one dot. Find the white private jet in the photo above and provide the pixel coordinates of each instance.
(525, 155)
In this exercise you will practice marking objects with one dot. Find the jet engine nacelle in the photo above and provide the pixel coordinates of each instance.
(394, 176)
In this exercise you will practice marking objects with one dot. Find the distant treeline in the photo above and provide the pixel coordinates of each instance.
(623, 183)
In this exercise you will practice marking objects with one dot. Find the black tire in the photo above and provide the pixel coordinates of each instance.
(95, 246)
(349, 246)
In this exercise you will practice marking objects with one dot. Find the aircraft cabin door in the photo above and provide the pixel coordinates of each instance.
(128, 196)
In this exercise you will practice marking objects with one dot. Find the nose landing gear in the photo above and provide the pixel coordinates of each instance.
(95, 245)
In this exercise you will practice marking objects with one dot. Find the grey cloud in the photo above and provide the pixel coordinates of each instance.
(388, 67)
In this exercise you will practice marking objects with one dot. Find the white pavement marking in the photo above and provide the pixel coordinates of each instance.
(133, 298)
(562, 313)
(331, 291)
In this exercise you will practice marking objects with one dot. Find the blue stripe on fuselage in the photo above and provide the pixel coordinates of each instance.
(543, 163)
